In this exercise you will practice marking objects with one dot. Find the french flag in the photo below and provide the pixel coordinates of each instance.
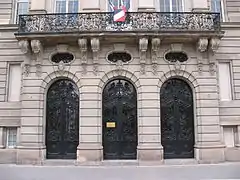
(120, 14)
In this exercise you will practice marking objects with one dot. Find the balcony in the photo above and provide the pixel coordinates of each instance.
(172, 24)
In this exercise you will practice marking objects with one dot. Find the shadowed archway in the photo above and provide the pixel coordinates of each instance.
(177, 119)
(62, 120)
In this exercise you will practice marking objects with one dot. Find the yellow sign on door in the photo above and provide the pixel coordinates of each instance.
(111, 124)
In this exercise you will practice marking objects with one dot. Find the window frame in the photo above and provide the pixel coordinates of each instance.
(8, 129)
(129, 10)
(15, 14)
(231, 80)
(67, 3)
(234, 134)
(222, 13)
(8, 80)
(171, 2)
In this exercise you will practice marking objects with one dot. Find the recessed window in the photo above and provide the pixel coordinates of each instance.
(14, 82)
(176, 56)
(11, 137)
(119, 56)
(225, 81)
(64, 57)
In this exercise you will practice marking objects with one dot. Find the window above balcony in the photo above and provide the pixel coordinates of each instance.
(171, 5)
(22, 7)
(66, 6)
(218, 7)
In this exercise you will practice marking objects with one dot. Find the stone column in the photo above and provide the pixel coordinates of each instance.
(144, 5)
(90, 6)
(200, 5)
(38, 7)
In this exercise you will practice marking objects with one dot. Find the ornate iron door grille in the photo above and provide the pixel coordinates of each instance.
(177, 122)
(119, 120)
(62, 126)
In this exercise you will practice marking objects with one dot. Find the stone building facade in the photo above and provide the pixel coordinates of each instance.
(157, 86)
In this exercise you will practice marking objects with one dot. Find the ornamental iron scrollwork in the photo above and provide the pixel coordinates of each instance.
(65, 57)
(177, 119)
(135, 21)
(62, 120)
(173, 57)
(120, 109)
(119, 56)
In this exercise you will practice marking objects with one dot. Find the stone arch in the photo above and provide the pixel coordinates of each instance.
(52, 77)
(125, 75)
(119, 73)
(184, 75)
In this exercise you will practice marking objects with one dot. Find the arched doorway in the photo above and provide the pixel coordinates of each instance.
(177, 119)
(62, 120)
(119, 120)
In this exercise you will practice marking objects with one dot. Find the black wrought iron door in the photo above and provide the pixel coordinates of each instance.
(119, 120)
(62, 123)
(177, 119)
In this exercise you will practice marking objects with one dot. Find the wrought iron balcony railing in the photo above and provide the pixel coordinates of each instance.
(103, 22)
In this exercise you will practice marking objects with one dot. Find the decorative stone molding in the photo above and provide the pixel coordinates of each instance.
(212, 68)
(36, 46)
(26, 69)
(177, 47)
(24, 46)
(119, 67)
(39, 69)
(214, 44)
(95, 45)
(119, 47)
(61, 48)
(82, 43)
(200, 67)
(37, 49)
(143, 45)
(202, 44)
(155, 49)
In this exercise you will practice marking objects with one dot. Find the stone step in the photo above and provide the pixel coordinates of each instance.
(64, 162)
(120, 163)
(180, 161)
(60, 162)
